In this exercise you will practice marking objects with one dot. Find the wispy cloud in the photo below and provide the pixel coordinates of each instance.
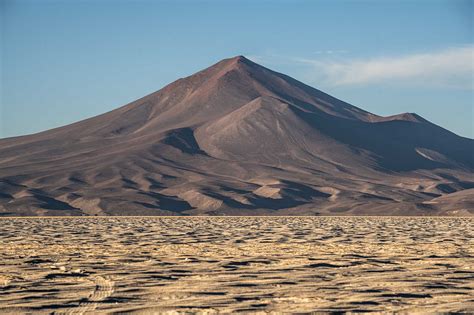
(453, 67)
(330, 52)
(256, 58)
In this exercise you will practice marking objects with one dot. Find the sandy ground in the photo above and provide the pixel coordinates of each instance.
(211, 264)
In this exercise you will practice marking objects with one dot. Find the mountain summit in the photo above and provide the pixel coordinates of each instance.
(239, 139)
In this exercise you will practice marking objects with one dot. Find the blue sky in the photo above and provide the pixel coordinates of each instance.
(63, 61)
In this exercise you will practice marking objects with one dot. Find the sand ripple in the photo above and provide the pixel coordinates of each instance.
(207, 264)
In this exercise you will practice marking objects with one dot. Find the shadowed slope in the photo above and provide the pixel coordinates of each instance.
(235, 138)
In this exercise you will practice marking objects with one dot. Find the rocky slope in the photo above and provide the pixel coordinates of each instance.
(239, 139)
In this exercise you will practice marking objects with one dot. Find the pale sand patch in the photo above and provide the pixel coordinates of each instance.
(219, 264)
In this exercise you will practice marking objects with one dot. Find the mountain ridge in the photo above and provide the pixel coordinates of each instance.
(237, 138)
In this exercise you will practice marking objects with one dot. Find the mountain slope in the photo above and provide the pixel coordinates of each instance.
(237, 138)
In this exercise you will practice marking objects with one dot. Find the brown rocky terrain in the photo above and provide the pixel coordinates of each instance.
(239, 139)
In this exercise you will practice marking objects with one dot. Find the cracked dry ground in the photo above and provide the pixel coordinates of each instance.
(230, 264)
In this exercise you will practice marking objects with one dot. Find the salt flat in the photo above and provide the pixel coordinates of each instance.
(229, 264)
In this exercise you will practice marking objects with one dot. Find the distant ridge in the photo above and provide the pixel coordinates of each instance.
(239, 139)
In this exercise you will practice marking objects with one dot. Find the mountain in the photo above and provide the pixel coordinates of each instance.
(239, 139)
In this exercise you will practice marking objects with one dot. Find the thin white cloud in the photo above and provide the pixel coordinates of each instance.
(453, 67)
(330, 52)
(256, 58)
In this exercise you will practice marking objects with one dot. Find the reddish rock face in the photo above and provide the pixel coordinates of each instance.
(238, 139)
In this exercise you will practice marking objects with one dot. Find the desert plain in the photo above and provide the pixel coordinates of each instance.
(149, 265)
